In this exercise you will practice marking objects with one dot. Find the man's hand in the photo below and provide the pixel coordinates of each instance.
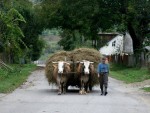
(98, 75)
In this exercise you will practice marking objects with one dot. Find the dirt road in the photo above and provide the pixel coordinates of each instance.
(36, 96)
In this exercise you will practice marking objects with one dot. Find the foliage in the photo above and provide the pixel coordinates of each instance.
(147, 89)
(12, 34)
(73, 39)
(89, 17)
(72, 16)
(68, 40)
(78, 19)
(10, 80)
(31, 29)
(136, 20)
(20, 39)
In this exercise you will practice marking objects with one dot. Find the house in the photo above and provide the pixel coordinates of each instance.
(119, 49)
(147, 54)
(114, 46)
(105, 37)
(121, 44)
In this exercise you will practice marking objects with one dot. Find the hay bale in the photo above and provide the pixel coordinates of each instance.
(75, 55)
(90, 55)
(49, 65)
(86, 54)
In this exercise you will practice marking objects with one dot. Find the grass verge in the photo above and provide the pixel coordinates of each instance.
(147, 89)
(10, 80)
(129, 75)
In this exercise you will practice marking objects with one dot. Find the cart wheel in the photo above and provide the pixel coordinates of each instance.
(90, 88)
(66, 88)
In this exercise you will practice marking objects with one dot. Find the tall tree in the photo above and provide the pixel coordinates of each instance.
(11, 36)
(89, 17)
(32, 29)
(29, 30)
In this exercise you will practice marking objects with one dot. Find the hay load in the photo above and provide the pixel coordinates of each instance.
(90, 55)
(49, 65)
(86, 54)
(74, 56)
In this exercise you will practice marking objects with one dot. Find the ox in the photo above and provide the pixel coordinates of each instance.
(85, 70)
(61, 74)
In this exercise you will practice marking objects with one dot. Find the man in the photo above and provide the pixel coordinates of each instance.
(103, 71)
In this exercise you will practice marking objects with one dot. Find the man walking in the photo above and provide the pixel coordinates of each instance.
(103, 71)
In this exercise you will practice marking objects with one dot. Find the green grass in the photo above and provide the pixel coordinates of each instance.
(10, 80)
(147, 89)
(129, 75)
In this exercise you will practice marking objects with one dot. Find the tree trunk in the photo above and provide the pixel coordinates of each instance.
(137, 45)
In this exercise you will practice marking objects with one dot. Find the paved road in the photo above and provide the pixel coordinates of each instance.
(36, 96)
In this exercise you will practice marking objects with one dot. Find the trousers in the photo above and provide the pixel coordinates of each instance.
(103, 79)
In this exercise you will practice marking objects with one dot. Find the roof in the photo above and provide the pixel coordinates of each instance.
(108, 34)
(127, 44)
(147, 48)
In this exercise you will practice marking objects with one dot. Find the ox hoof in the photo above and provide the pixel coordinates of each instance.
(85, 92)
(59, 93)
(88, 91)
(80, 92)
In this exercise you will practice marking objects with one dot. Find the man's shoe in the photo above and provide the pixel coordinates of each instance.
(106, 93)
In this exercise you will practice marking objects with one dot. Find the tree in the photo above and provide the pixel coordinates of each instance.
(89, 17)
(26, 34)
(32, 29)
(135, 18)
(11, 36)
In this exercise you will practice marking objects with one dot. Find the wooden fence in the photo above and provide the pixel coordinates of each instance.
(131, 60)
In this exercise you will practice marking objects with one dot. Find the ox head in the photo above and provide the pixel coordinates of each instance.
(61, 66)
(86, 65)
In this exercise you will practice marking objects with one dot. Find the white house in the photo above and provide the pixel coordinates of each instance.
(118, 45)
(113, 46)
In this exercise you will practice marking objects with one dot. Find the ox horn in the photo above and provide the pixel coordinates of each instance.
(77, 62)
(55, 62)
(91, 62)
(85, 61)
(67, 63)
(81, 62)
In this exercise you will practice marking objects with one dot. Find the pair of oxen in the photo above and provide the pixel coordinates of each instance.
(62, 73)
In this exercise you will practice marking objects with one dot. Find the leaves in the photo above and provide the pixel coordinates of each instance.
(20, 25)
(13, 31)
(88, 17)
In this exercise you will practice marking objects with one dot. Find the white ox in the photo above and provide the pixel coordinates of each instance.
(61, 74)
(85, 70)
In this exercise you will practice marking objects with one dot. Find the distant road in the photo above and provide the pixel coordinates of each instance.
(36, 96)
(40, 63)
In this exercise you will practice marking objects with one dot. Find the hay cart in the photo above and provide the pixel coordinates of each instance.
(74, 56)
